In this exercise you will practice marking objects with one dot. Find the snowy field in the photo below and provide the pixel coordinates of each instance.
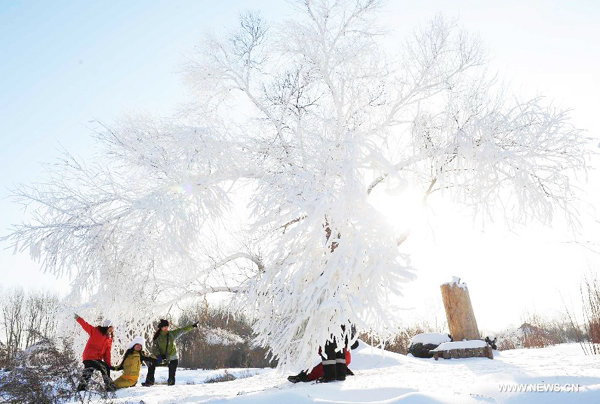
(559, 374)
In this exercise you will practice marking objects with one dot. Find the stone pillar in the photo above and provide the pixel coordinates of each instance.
(459, 312)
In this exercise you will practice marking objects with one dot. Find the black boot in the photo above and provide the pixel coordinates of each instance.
(329, 364)
(172, 369)
(150, 376)
(300, 377)
(340, 365)
(340, 370)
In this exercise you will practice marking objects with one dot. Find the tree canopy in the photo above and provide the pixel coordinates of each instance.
(298, 122)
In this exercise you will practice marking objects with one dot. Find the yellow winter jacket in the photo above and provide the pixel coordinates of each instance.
(131, 369)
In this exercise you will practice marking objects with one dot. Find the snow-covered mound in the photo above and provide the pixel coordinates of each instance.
(476, 343)
(421, 345)
(433, 338)
(558, 374)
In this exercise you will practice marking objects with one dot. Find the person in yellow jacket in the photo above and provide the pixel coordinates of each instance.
(131, 363)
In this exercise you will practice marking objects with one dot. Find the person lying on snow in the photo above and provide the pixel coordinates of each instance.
(331, 367)
(96, 355)
(165, 350)
(132, 362)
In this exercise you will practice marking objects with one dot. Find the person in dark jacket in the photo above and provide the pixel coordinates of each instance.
(96, 355)
(164, 349)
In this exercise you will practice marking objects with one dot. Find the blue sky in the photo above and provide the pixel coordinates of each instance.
(66, 63)
(69, 62)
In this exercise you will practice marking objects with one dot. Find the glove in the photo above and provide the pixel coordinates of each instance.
(195, 325)
(76, 317)
(159, 359)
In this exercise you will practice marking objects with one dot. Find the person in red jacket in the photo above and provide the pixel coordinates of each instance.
(318, 372)
(333, 366)
(96, 355)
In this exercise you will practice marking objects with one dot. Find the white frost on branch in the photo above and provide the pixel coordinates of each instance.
(298, 122)
(219, 336)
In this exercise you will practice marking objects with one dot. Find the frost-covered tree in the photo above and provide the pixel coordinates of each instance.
(293, 126)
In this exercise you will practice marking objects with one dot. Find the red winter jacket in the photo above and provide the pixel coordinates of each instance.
(98, 346)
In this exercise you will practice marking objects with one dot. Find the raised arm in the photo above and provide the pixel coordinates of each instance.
(86, 327)
(180, 331)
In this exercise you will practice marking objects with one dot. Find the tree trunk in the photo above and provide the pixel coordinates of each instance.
(459, 312)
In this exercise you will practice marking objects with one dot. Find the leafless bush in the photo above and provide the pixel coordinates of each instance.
(534, 332)
(3, 355)
(534, 336)
(12, 310)
(225, 377)
(562, 330)
(589, 335)
(505, 344)
(590, 292)
(44, 374)
(25, 318)
(537, 331)
(402, 338)
(232, 347)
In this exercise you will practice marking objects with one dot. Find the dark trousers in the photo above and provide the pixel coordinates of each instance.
(88, 370)
(334, 363)
(172, 369)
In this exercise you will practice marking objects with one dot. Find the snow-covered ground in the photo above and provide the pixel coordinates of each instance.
(559, 374)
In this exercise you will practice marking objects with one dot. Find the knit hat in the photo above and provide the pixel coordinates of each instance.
(106, 323)
(163, 323)
(137, 340)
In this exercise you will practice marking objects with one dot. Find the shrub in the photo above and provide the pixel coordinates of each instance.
(225, 377)
(403, 336)
(539, 332)
(45, 374)
(222, 341)
(589, 338)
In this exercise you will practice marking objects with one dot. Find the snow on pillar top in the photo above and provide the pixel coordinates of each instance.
(456, 282)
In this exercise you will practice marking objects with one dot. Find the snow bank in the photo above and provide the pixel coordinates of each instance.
(561, 375)
(367, 357)
(476, 343)
(433, 338)
(200, 376)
